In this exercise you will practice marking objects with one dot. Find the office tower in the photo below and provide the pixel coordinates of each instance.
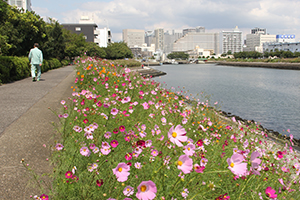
(159, 39)
(134, 37)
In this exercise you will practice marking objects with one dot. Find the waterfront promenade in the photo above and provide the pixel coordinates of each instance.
(25, 125)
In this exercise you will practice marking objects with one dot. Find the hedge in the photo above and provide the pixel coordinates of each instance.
(14, 68)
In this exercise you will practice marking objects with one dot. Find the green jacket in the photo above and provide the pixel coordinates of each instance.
(35, 56)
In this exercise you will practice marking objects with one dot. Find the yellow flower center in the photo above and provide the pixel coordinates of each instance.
(232, 165)
(174, 134)
(143, 188)
(179, 163)
(189, 148)
(120, 169)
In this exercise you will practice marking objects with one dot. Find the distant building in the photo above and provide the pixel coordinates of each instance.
(134, 37)
(198, 29)
(258, 31)
(254, 42)
(293, 46)
(159, 39)
(150, 38)
(283, 42)
(88, 30)
(25, 4)
(231, 41)
(169, 39)
(191, 40)
(285, 38)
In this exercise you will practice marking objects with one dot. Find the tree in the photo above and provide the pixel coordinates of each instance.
(178, 55)
(75, 44)
(55, 45)
(92, 49)
(118, 50)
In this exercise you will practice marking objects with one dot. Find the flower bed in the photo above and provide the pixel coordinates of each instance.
(126, 137)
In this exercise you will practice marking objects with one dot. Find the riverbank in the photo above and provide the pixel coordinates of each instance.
(279, 65)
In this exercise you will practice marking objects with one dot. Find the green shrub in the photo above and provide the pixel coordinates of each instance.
(65, 62)
(13, 68)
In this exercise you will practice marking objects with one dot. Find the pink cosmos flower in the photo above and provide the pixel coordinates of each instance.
(154, 152)
(114, 143)
(105, 145)
(59, 146)
(177, 135)
(128, 191)
(107, 135)
(44, 197)
(68, 174)
(121, 172)
(185, 164)
(198, 168)
(185, 193)
(105, 151)
(189, 149)
(146, 190)
(236, 164)
(271, 193)
(85, 151)
(203, 162)
(148, 143)
(96, 150)
(114, 111)
(138, 165)
(146, 105)
(255, 162)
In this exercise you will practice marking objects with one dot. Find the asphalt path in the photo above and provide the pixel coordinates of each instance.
(26, 124)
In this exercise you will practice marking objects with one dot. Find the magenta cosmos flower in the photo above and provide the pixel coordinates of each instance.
(177, 135)
(114, 111)
(44, 197)
(146, 190)
(236, 164)
(68, 174)
(114, 143)
(271, 193)
(121, 172)
(185, 164)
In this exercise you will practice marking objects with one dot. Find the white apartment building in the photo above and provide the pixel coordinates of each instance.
(133, 37)
(231, 41)
(104, 37)
(205, 41)
(255, 42)
(25, 4)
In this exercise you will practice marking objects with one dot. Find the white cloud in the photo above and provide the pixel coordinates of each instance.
(274, 15)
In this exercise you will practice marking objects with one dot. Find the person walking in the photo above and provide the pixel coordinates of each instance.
(36, 59)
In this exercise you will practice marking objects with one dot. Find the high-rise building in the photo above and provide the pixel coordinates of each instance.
(231, 41)
(191, 40)
(159, 39)
(254, 42)
(169, 39)
(149, 38)
(133, 37)
(25, 4)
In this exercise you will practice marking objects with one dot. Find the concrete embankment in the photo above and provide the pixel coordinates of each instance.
(279, 65)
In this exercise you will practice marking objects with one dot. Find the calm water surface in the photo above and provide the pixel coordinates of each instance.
(268, 96)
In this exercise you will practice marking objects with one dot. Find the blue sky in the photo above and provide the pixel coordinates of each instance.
(277, 16)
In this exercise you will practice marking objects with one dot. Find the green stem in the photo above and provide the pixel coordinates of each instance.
(245, 186)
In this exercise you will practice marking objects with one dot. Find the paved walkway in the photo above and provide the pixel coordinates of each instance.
(25, 125)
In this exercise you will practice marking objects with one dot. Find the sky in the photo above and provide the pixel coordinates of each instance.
(277, 16)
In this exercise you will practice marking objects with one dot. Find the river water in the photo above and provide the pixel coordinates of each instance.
(270, 97)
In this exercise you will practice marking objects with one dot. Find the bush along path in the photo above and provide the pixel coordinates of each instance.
(127, 137)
